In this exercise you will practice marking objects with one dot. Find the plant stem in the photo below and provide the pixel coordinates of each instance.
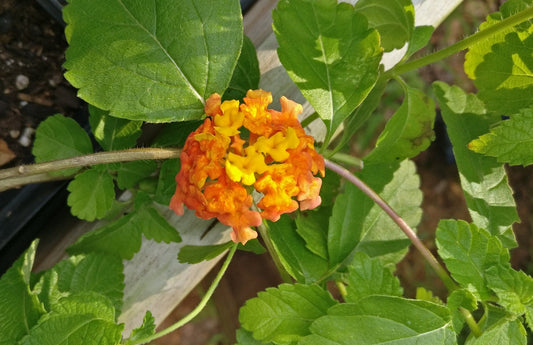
(507, 23)
(200, 305)
(470, 321)
(441, 272)
(263, 230)
(15, 177)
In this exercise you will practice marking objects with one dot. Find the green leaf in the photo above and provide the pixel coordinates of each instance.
(20, 308)
(154, 226)
(113, 133)
(246, 74)
(383, 320)
(419, 39)
(510, 141)
(60, 137)
(252, 246)
(468, 252)
(460, 298)
(312, 226)
(301, 263)
(502, 66)
(121, 238)
(334, 60)
(513, 288)
(91, 194)
(367, 276)
(408, 132)
(358, 224)
(131, 173)
(175, 133)
(86, 318)
(245, 338)
(195, 254)
(166, 185)
(504, 332)
(284, 314)
(95, 272)
(152, 61)
(124, 236)
(394, 20)
(363, 112)
(484, 180)
(145, 330)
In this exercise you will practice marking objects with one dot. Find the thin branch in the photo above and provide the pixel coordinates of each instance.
(466, 43)
(441, 272)
(15, 177)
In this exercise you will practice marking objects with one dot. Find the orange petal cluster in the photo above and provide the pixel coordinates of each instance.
(220, 163)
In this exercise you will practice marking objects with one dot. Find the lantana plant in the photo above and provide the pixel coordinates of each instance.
(335, 224)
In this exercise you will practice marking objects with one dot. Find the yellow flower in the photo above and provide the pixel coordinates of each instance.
(277, 145)
(243, 168)
(218, 166)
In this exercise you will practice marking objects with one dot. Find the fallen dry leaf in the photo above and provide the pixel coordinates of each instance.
(6, 155)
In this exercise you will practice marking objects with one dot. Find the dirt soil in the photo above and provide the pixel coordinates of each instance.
(32, 49)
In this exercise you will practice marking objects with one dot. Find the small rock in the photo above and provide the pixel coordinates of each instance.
(14, 133)
(25, 138)
(22, 82)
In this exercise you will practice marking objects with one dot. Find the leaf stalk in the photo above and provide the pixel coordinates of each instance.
(200, 305)
(426, 253)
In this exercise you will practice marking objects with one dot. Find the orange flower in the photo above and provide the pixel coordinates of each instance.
(218, 167)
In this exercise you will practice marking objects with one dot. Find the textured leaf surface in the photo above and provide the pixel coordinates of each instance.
(511, 141)
(300, 262)
(383, 320)
(60, 137)
(145, 330)
(246, 74)
(113, 133)
(329, 52)
(367, 276)
(484, 180)
(79, 319)
(94, 272)
(394, 20)
(408, 132)
(502, 67)
(503, 333)
(20, 308)
(284, 314)
(468, 251)
(358, 224)
(91, 194)
(154, 61)
(513, 288)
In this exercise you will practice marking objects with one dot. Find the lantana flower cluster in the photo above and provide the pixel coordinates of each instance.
(242, 147)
